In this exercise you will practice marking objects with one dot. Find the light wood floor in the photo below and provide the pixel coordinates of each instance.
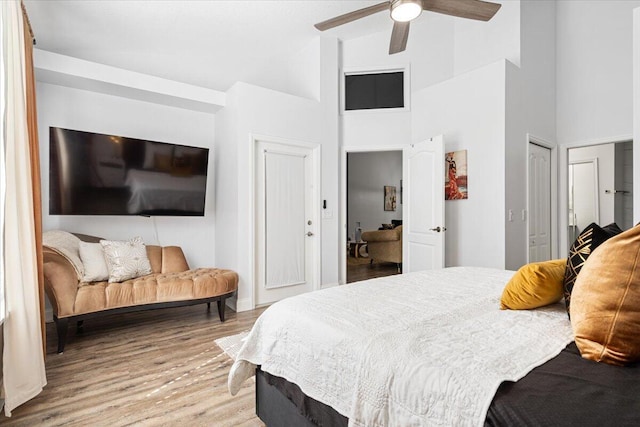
(151, 368)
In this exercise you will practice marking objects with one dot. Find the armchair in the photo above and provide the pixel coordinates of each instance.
(385, 245)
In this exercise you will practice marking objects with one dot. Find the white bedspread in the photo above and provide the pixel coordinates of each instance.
(427, 348)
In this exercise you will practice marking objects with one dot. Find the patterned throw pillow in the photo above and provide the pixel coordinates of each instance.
(590, 238)
(126, 259)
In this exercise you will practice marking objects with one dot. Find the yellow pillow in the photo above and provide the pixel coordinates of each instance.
(534, 285)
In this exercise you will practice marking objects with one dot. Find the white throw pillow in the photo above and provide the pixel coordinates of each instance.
(95, 266)
(126, 260)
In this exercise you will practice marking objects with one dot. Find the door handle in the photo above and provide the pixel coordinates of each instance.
(309, 233)
(438, 229)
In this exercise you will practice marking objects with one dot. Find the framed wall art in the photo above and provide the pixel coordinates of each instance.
(455, 181)
(389, 198)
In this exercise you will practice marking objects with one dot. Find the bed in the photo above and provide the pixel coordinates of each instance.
(427, 348)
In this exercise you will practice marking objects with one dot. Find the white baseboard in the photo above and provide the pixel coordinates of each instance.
(231, 303)
(243, 304)
(328, 285)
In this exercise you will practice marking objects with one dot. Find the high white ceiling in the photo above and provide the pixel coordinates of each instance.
(205, 43)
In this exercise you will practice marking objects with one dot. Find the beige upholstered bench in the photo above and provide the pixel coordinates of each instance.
(171, 284)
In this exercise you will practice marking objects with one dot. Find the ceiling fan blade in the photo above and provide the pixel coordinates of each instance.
(399, 37)
(470, 9)
(352, 16)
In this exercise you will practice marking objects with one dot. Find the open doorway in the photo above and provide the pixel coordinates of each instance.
(374, 214)
(600, 186)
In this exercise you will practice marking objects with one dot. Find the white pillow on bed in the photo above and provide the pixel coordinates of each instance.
(95, 266)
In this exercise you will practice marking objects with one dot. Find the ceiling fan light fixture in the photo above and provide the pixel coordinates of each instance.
(405, 10)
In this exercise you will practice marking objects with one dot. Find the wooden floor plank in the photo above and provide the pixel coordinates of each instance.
(150, 368)
(361, 269)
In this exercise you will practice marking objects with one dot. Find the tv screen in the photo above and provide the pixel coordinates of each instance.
(97, 174)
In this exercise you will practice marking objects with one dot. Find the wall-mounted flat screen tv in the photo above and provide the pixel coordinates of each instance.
(97, 174)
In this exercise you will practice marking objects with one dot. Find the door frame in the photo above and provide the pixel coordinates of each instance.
(563, 173)
(553, 148)
(316, 173)
(342, 252)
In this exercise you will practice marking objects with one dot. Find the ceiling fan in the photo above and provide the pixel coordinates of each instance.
(404, 11)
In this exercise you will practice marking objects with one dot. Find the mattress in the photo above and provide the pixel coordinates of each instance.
(426, 348)
(567, 390)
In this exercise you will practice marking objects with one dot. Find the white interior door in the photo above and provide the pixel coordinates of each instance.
(539, 203)
(584, 204)
(423, 212)
(287, 229)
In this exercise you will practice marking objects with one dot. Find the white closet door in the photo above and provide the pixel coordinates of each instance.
(284, 217)
(539, 203)
(287, 255)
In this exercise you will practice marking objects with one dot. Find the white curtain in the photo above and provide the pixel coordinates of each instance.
(23, 358)
(3, 179)
(285, 210)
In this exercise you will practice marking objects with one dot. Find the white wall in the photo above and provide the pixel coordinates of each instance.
(368, 173)
(429, 50)
(225, 169)
(253, 110)
(538, 67)
(429, 57)
(65, 107)
(469, 110)
(594, 69)
(297, 74)
(530, 110)
(597, 42)
(515, 164)
(332, 250)
(479, 43)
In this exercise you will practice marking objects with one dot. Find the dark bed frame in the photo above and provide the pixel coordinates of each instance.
(280, 403)
(565, 391)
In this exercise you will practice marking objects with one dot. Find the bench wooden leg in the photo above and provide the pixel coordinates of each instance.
(80, 326)
(61, 327)
(221, 307)
(208, 307)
